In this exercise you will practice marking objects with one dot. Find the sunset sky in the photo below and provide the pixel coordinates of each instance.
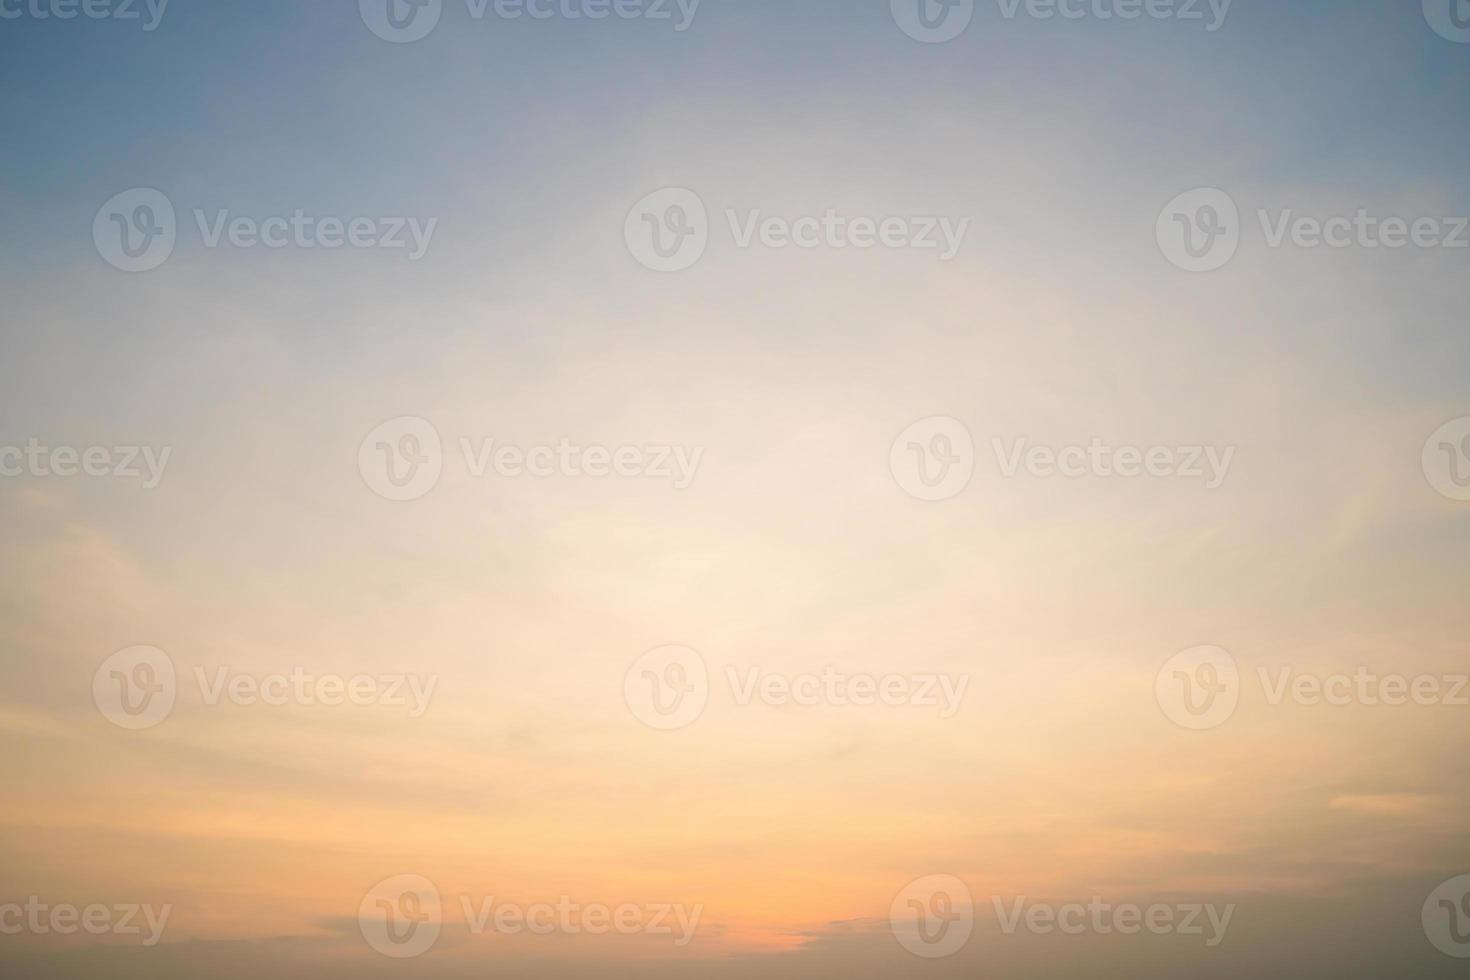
(521, 605)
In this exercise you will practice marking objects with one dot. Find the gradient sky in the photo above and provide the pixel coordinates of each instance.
(528, 321)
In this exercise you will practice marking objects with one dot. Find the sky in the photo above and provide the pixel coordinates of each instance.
(619, 518)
